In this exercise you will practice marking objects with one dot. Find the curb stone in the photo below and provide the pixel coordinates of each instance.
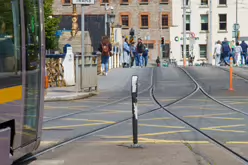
(69, 97)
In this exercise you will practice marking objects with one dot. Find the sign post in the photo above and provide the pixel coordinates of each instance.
(82, 3)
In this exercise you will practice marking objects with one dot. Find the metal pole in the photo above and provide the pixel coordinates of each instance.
(184, 33)
(134, 89)
(211, 32)
(236, 29)
(106, 19)
(82, 52)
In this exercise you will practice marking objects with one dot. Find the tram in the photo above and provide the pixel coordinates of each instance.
(22, 71)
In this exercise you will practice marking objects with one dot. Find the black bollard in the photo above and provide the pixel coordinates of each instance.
(134, 89)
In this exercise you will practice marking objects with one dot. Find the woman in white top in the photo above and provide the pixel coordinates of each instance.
(238, 50)
(217, 53)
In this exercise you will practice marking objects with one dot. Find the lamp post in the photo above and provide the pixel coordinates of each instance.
(112, 20)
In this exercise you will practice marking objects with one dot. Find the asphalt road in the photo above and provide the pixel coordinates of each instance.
(170, 84)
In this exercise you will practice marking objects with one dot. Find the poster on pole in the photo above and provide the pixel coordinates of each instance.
(83, 2)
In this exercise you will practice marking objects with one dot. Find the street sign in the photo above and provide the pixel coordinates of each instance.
(83, 2)
(236, 26)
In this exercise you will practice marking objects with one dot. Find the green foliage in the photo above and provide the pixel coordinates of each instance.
(51, 25)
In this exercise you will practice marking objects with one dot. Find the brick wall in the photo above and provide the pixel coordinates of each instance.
(133, 9)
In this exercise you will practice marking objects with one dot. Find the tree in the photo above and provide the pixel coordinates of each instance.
(51, 25)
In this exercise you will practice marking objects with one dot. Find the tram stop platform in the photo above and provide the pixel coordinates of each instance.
(91, 153)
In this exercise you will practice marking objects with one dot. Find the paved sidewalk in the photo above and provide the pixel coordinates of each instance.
(66, 93)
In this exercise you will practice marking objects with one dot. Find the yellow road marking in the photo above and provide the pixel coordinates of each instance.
(225, 126)
(224, 118)
(222, 130)
(237, 142)
(156, 141)
(86, 100)
(173, 141)
(100, 121)
(234, 103)
(147, 134)
(72, 126)
(160, 126)
(104, 112)
(69, 107)
(10, 94)
(207, 115)
(162, 118)
(164, 100)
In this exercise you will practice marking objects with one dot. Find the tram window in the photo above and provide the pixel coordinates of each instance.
(10, 43)
(33, 70)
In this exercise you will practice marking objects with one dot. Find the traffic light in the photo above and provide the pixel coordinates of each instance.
(162, 40)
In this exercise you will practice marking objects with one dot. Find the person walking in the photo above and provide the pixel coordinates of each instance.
(133, 54)
(244, 52)
(145, 56)
(232, 53)
(226, 49)
(217, 53)
(140, 51)
(126, 54)
(105, 48)
(238, 51)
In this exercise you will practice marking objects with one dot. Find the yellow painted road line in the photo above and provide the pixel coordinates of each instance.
(235, 103)
(222, 130)
(224, 118)
(102, 113)
(155, 141)
(147, 134)
(237, 142)
(207, 115)
(160, 126)
(174, 141)
(225, 126)
(99, 121)
(63, 107)
(151, 119)
(71, 126)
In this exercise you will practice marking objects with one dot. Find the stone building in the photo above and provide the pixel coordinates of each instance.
(150, 19)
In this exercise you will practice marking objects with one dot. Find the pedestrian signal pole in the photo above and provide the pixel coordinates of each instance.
(184, 33)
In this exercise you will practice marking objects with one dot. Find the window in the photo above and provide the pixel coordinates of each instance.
(150, 46)
(222, 21)
(165, 21)
(104, 1)
(10, 47)
(66, 2)
(125, 21)
(124, 1)
(187, 2)
(222, 2)
(204, 2)
(188, 22)
(144, 1)
(144, 18)
(187, 51)
(203, 51)
(164, 1)
(204, 22)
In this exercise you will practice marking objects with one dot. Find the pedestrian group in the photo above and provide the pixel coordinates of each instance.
(223, 51)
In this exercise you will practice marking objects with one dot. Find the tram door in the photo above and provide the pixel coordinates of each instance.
(33, 70)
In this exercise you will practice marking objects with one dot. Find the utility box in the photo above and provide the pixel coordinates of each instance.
(88, 75)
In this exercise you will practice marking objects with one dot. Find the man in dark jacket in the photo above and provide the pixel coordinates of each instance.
(140, 50)
(226, 49)
(244, 52)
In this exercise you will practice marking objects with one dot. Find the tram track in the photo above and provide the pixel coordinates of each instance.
(164, 107)
(234, 73)
(94, 131)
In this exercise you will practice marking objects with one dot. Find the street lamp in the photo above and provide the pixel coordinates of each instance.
(112, 20)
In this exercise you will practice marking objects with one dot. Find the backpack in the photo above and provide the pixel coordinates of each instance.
(225, 47)
(105, 49)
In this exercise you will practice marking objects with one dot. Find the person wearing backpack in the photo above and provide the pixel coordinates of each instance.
(244, 52)
(226, 49)
(140, 50)
(105, 48)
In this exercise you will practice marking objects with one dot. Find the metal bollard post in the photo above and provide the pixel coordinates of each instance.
(134, 89)
(231, 74)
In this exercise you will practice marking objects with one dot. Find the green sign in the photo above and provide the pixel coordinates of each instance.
(177, 39)
(32, 24)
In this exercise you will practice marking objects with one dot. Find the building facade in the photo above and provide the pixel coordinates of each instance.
(198, 23)
(151, 19)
